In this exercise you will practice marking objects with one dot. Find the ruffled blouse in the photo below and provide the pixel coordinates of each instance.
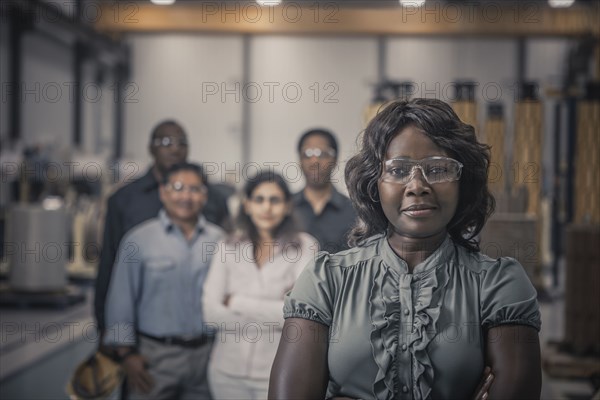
(400, 335)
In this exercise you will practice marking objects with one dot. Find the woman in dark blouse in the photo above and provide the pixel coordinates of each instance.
(414, 310)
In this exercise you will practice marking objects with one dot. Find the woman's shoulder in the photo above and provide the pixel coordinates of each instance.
(507, 295)
(480, 262)
(367, 252)
(504, 274)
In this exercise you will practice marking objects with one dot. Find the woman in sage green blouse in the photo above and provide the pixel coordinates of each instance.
(414, 310)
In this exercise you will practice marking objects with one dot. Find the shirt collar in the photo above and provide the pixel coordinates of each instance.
(440, 256)
(168, 225)
(336, 199)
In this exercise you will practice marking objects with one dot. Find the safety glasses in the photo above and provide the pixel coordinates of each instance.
(434, 170)
(316, 152)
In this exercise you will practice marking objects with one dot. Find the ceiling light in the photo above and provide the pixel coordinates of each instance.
(561, 3)
(412, 3)
(163, 2)
(268, 3)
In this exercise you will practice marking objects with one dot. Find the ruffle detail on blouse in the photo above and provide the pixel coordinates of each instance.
(386, 324)
(427, 308)
(385, 309)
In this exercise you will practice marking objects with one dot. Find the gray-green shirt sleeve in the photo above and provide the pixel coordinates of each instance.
(508, 297)
(312, 297)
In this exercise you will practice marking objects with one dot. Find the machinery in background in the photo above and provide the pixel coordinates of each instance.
(576, 222)
(464, 103)
(37, 236)
(52, 226)
(385, 92)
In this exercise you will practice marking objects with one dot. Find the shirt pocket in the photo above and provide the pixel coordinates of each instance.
(160, 265)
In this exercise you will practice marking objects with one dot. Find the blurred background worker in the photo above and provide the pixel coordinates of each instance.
(323, 212)
(243, 294)
(139, 201)
(154, 312)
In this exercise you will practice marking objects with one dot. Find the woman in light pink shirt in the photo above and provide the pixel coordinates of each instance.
(243, 293)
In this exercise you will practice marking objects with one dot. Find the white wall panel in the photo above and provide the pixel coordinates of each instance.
(47, 91)
(547, 60)
(169, 74)
(430, 63)
(435, 63)
(300, 82)
(341, 68)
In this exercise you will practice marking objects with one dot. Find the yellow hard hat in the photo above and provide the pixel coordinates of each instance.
(95, 378)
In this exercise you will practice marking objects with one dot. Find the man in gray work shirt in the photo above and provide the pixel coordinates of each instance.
(153, 311)
(321, 210)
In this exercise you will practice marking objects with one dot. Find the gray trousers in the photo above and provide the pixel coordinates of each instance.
(178, 372)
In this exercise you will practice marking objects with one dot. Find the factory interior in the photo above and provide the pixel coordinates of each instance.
(85, 81)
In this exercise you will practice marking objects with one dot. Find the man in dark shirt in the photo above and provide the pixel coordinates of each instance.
(322, 211)
(139, 201)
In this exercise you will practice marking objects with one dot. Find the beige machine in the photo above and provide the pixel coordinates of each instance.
(494, 132)
(37, 247)
(587, 163)
(464, 104)
(513, 230)
(387, 92)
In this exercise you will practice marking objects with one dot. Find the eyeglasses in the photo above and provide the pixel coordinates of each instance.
(179, 187)
(274, 200)
(316, 152)
(434, 170)
(168, 141)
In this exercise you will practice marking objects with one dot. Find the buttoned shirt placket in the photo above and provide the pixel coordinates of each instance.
(407, 331)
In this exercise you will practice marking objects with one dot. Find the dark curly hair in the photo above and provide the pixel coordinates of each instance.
(441, 124)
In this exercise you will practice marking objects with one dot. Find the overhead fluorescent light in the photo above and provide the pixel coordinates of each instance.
(163, 2)
(412, 3)
(268, 3)
(561, 3)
